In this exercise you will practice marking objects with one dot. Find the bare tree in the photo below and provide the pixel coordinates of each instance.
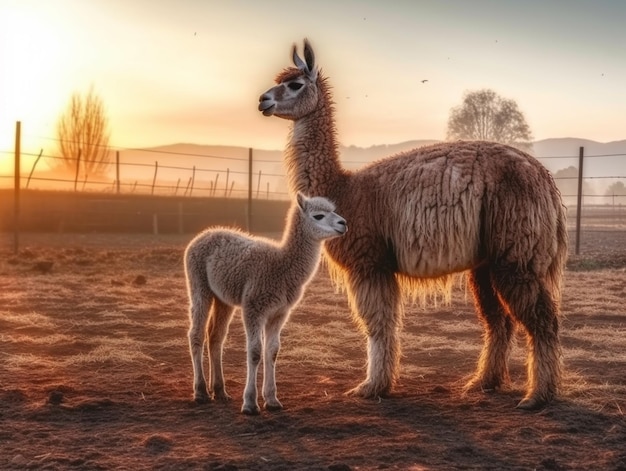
(484, 115)
(83, 136)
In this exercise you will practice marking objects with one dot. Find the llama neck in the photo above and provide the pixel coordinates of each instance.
(312, 154)
(301, 252)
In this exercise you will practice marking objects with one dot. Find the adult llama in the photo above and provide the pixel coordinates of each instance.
(417, 218)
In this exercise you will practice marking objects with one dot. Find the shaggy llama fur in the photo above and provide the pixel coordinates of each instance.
(227, 268)
(420, 216)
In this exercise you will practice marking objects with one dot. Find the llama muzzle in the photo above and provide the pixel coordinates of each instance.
(267, 106)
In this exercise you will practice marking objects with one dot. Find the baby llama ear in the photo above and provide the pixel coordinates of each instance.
(301, 199)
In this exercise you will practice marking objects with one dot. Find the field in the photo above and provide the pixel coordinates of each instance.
(95, 374)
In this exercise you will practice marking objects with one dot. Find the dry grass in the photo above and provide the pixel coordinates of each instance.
(95, 373)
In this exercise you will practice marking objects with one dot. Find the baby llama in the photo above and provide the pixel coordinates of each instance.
(420, 216)
(226, 268)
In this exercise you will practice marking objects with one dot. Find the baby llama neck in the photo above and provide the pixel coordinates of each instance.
(300, 250)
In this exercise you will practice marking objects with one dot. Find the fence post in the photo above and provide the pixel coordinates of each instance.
(249, 213)
(193, 180)
(16, 195)
(117, 172)
(579, 200)
(156, 169)
(77, 169)
(217, 177)
(33, 169)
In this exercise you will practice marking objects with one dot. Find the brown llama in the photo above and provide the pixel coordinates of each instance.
(227, 268)
(420, 216)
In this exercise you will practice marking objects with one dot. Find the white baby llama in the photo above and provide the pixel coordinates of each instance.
(227, 268)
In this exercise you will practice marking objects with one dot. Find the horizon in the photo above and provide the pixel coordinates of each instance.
(387, 144)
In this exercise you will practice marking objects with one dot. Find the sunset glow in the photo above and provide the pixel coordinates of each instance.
(192, 71)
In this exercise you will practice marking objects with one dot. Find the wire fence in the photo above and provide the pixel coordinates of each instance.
(229, 179)
(597, 201)
(237, 172)
(223, 176)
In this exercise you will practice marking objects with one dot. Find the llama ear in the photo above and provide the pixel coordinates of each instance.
(309, 57)
(301, 200)
(299, 63)
(307, 67)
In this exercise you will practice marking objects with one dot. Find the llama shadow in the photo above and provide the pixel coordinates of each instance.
(485, 430)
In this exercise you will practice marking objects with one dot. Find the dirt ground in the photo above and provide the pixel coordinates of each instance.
(95, 374)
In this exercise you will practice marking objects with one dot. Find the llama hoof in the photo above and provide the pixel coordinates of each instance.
(201, 398)
(222, 396)
(273, 405)
(486, 385)
(479, 386)
(369, 390)
(531, 404)
(250, 410)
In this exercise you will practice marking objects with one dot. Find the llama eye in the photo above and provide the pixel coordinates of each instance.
(318, 217)
(295, 86)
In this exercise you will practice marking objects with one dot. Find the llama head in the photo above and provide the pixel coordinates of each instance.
(296, 93)
(320, 218)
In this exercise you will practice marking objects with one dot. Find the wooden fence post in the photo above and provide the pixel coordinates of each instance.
(193, 180)
(249, 212)
(217, 177)
(33, 169)
(77, 169)
(156, 169)
(16, 195)
(579, 200)
(117, 172)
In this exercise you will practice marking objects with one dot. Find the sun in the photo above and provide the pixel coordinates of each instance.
(32, 54)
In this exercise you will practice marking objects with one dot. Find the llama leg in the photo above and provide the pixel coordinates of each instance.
(376, 303)
(254, 329)
(532, 305)
(270, 354)
(492, 371)
(198, 316)
(217, 331)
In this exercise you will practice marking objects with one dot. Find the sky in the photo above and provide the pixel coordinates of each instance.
(191, 71)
